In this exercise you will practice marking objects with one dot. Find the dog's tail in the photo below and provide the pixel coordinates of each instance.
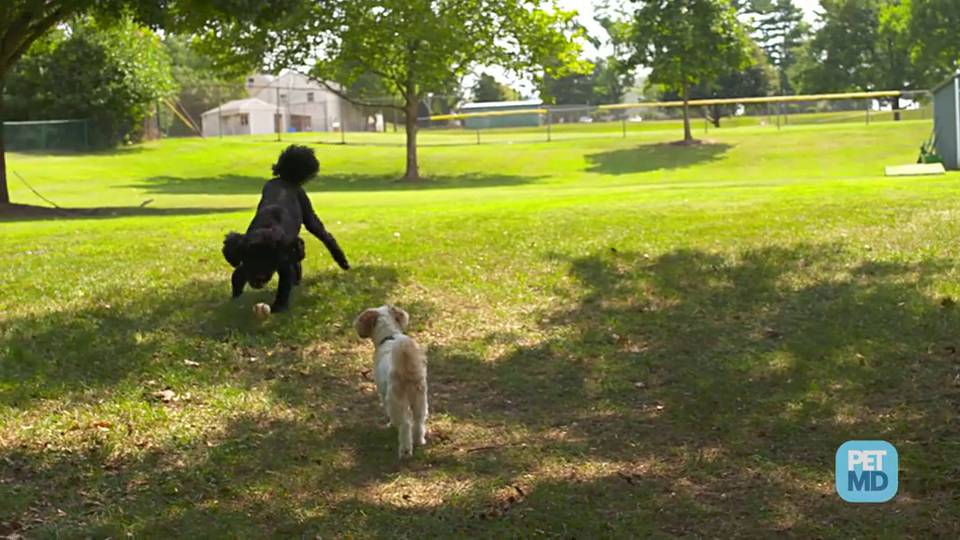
(409, 363)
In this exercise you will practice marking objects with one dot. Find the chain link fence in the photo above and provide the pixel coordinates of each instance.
(46, 135)
(313, 113)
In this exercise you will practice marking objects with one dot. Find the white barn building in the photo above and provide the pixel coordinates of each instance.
(311, 105)
(244, 117)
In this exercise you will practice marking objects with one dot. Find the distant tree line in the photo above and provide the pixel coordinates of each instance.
(722, 48)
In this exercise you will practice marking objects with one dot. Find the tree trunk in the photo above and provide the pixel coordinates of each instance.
(896, 109)
(4, 193)
(687, 135)
(410, 111)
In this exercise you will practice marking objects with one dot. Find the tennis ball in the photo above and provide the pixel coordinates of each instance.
(262, 311)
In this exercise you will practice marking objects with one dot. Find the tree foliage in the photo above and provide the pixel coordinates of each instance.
(606, 83)
(111, 74)
(933, 31)
(23, 22)
(860, 45)
(759, 79)
(488, 88)
(779, 29)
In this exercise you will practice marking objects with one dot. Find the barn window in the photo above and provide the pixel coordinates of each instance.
(244, 119)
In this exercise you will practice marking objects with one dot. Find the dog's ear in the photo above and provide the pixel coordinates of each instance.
(366, 322)
(401, 316)
(233, 249)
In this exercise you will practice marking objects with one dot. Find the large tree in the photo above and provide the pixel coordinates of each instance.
(22, 22)
(756, 80)
(686, 43)
(413, 46)
(860, 45)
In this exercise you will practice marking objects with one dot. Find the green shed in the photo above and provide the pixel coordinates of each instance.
(946, 121)
(521, 119)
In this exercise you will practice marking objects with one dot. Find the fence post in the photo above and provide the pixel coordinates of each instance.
(86, 142)
(277, 119)
(549, 121)
(704, 111)
(868, 111)
(478, 135)
(343, 122)
(779, 106)
(219, 114)
(623, 124)
(159, 128)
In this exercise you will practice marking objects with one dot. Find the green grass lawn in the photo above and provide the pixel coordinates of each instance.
(626, 338)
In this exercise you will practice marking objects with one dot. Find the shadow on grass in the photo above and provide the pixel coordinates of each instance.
(653, 157)
(252, 185)
(692, 393)
(26, 212)
(144, 336)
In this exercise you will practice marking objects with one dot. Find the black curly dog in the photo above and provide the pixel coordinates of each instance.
(272, 242)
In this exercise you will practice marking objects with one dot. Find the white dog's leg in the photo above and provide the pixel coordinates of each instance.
(419, 407)
(400, 417)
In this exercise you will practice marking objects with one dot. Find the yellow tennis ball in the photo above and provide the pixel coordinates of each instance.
(262, 311)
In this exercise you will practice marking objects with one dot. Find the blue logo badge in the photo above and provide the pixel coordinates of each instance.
(867, 471)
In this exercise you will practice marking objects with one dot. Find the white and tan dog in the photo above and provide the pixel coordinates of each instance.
(400, 371)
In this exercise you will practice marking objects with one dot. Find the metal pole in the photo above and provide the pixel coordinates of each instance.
(343, 122)
(478, 136)
(549, 121)
(219, 114)
(159, 129)
(868, 111)
(779, 105)
(706, 129)
(623, 124)
(277, 120)
(86, 143)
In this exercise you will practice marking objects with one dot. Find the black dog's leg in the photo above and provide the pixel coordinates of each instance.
(286, 275)
(238, 280)
(297, 272)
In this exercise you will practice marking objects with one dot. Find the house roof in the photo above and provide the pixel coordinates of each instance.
(502, 104)
(242, 105)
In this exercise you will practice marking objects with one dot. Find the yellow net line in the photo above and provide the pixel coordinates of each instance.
(458, 116)
(691, 103)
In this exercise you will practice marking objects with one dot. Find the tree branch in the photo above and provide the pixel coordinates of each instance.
(343, 95)
(29, 34)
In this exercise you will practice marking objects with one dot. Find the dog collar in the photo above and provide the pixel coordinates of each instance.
(386, 339)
